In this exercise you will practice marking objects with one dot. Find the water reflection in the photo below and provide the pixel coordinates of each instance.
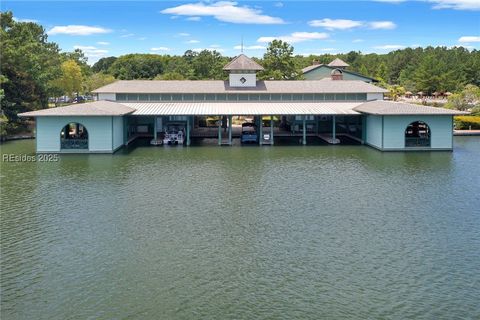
(209, 232)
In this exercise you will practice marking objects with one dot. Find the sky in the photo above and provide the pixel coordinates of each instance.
(113, 28)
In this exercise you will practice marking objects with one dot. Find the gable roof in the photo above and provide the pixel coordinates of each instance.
(242, 62)
(315, 66)
(96, 108)
(338, 63)
(391, 108)
(220, 86)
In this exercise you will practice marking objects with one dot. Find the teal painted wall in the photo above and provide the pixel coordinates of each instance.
(99, 132)
(324, 72)
(117, 132)
(374, 131)
(440, 128)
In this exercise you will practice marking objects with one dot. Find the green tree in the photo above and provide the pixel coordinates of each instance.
(137, 66)
(170, 76)
(98, 80)
(468, 99)
(103, 64)
(395, 91)
(279, 63)
(208, 65)
(382, 73)
(71, 80)
(363, 70)
(28, 64)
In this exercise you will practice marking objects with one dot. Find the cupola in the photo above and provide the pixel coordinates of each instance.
(338, 64)
(242, 71)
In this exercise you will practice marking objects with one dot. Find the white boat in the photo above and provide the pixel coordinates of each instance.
(174, 135)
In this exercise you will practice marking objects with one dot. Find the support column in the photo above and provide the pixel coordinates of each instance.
(220, 131)
(271, 130)
(188, 130)
(230, 130)
(125, 130)
(334, 129)
(304, 140)
(260, 131)
(155, 128)
(364, 131)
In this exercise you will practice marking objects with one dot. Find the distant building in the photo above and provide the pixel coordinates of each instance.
(339, 67)
(334, 109)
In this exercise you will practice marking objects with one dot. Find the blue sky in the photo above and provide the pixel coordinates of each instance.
(313, 27)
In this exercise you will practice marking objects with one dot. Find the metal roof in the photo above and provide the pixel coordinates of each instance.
(220, 86)
(338, 63)
(96, 108)
(244, 108)
(242, 62)
(382, 107)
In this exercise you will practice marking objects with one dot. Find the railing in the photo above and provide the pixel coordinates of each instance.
(74, 143)
(417, 142)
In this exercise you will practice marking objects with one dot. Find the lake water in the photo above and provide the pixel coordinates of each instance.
(334, 232)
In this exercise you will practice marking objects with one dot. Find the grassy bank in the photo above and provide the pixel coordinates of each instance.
(467, 122)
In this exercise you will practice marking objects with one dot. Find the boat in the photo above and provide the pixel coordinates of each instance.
(249, 133)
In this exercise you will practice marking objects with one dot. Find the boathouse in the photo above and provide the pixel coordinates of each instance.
(334, 110)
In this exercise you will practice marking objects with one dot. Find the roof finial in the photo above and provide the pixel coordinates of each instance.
(241, 46)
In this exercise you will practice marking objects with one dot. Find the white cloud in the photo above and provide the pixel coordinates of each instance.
(257, 47)
(382, 25)
(345, 24)
(183, 34)
(193, 41)
(91, 51)
(24, 20)
(209, 49)
(227, 11)
(160, 49)
(469, 39)
(456, 4)
(332, 24)
(389, 47)
(142, 38)
(77, 30)
(103, 43)
(279, 4)
(296, 37)
(357, 40)
(193, 19)
(127, 35)
(215, 46)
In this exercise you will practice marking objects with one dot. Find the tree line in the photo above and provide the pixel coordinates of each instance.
(34, 69)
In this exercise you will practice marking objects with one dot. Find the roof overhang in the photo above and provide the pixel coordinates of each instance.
(90, 109)
(243, 108)
(391, 108)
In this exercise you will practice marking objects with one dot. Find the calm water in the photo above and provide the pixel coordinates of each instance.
(342, 232)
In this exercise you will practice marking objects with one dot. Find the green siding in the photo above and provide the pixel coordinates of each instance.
(374, 131)
(324, 72)
(118, 128)
(99, 133)
(440, 130)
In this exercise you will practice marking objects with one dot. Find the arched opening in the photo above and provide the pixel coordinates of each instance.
(74, 136)
(417, 134)
(336, 74)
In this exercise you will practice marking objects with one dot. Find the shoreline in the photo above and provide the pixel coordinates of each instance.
(466, 132)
